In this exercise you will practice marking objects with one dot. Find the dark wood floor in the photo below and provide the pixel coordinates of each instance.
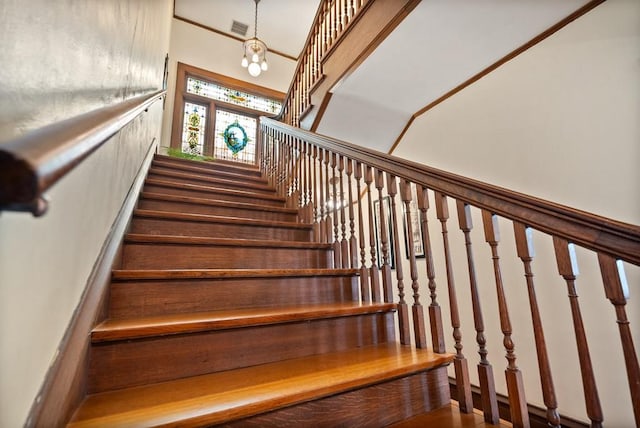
(449, 417)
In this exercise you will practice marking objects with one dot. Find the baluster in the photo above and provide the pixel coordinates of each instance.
(303, 177)
(345, 14)
(374, 274)
(294, 173)
(364, 273)
(385, 241)
(418, 313)
(485, 370)
(322, 208)
(435, 314)
(337, 258)
(616, 290)
(460, 362)
(524, 245)
(403, 311)
(568, 269)
(300, 175)
(344, 244)
(515, 386)
(316, 211)
(353, 242)
(334, 22)
(328, 223)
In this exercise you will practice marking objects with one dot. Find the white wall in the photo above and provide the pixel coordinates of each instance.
(60, 59)
(205, 49)
(560, 122)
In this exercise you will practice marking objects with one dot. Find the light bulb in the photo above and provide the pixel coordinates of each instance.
(264, 65)
(245, 62)
(254, 69)
(255, 58)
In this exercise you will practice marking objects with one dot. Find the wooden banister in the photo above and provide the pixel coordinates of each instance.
(597, 233)
(32, 163)
(333, 162)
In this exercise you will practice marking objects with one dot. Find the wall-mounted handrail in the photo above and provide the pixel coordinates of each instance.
(595, 232)
(32, 163)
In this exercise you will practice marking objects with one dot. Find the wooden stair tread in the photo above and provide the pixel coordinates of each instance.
(213, 189)
(151, 274)
(127, 329)
(214, 202)
(213, 178)
(209, 164)
(141, 238)
(206, 171)
(230, 395)
(169, 215)
(448, 416)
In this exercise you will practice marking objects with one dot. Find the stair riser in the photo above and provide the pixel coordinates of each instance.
(130, 363)
(149, 298)
(214, 166)
(165, 174)
(209, 172)
(218, 230)
(212, 195)
(372, 407)
(178, 256)
(184, 207)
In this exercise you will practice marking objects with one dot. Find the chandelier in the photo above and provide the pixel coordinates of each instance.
(256, 50)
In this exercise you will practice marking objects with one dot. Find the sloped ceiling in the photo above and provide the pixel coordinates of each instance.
(440, 45)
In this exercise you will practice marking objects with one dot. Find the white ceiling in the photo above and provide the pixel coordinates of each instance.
(441, 44)
(282, 24)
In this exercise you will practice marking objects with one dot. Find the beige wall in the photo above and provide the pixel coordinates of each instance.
(60, 59)
(559, 122)
(213, 52)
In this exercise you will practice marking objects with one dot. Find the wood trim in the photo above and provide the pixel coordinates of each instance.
(597, 233)
(231, 36)
(64, 385)
(34, 162)
(540, 37)
(537, 415)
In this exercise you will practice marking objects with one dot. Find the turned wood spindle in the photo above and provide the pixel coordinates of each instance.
(340, 200)
(328, 223)
(335, 209)
(616, 290)
(485, 370)
(373, 271)
(435, 313)
(419, 331)
(524, 246)
(568, 269)
(353, 242)
(513, 375)
(460, 362)
(384, 239)
(321, 223)
(403, 310)
(364, 272)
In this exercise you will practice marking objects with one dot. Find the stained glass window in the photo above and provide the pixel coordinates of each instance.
(249, 124)
(231, 96)
(193, 127)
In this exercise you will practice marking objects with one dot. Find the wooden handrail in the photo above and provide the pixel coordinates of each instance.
(601, 234)
(32, 163)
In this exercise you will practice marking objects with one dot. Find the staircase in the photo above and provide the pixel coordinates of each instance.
(223, 311)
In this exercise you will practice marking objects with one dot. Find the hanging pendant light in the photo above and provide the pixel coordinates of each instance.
(255, 51)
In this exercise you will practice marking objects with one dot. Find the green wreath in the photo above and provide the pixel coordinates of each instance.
(235, 137)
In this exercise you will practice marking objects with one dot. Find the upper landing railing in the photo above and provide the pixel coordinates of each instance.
(325, 178)
(31, 164)
(332, 20)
